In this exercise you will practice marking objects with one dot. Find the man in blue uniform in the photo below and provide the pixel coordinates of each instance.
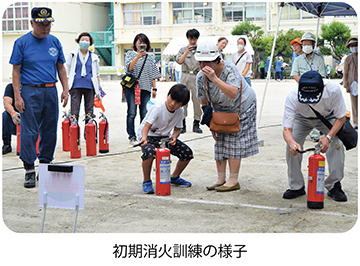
(37, 58)
(11, 118)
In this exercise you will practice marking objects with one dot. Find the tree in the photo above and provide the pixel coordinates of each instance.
(254, 34)
(283, 46)
(333, 39)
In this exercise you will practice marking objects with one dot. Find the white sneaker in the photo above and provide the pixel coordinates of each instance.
(283, 80)
(133, 141)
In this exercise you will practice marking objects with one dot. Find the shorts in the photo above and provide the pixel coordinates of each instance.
(241, 144)
(180, 149)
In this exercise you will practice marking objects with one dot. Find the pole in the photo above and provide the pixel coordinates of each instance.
(317, 31)
(44, 213)
(76, 211)
(271, 57)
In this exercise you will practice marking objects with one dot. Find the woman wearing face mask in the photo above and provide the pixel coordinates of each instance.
(242, 59)
(82, 68)
(350, 79)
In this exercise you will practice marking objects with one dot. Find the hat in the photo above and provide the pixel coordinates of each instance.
(350, 41)
(42, 14)
(343, 52)
(311, 87)
(297, 40)
(206, 51)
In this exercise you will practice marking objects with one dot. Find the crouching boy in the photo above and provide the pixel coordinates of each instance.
(158, 123)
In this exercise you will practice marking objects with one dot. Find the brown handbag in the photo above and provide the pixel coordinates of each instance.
(225, 122)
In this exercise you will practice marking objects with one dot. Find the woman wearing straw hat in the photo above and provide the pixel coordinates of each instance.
(350, 78)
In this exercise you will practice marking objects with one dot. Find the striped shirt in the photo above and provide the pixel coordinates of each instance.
(149, 73)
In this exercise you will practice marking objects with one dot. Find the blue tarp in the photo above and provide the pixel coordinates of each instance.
(320, 9)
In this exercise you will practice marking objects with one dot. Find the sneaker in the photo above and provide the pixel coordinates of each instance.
(133, 141)
(147, 187)
(292, 194)
(336, 193)
(180, 182)
(29, 178)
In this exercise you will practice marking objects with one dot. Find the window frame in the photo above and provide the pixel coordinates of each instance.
(206, 6)
(24, 21)
(155, 20)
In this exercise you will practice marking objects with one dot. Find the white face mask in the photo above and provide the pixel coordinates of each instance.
(308, 49)
(354, 49)
(240, 47)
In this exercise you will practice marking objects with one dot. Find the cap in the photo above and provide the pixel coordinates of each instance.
(297, 40)
(311, 87)
(343, 52)
(207, 51)
(42, 14)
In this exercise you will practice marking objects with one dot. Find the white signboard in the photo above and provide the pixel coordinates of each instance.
(61, 186)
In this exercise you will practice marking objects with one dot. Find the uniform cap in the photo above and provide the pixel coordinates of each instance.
(42, 14)
(311, 87)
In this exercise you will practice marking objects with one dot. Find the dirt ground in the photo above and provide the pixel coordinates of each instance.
(115, 203)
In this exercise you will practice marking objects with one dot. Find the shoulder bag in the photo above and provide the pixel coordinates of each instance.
(222, 122)
(129, 81)
(347, 133)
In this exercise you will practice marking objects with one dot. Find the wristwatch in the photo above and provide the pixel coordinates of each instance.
(154, 89)
(329, 138)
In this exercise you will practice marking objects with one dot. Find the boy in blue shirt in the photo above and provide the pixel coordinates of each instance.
(158, 123)
(37, 58)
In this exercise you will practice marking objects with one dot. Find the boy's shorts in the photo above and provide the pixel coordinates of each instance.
(180, 149)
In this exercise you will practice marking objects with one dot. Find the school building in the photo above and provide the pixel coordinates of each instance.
(114, 25)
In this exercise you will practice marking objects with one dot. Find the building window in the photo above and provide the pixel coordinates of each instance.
(142, 14)
(196, 12)
(291, 13)
(240, 11)
(16, 17)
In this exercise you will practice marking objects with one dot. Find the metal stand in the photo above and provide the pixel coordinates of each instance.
(76, 212)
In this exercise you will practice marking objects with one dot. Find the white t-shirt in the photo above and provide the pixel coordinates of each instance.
(242, 63)
(331, 101)
(162, 121)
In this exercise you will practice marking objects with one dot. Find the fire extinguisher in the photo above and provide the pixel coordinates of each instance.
(316, 177)
(103, 134)
(163, 182)
(75, 147)
(18, 131)
(65, 126)
(91, 136)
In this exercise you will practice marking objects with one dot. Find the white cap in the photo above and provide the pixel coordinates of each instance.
(207, 51)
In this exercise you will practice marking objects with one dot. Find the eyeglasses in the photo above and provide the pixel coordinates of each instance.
(44, 24)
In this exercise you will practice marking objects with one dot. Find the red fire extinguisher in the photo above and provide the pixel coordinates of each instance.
(18, 131)
(75, 147)
(163, 182)
(91, 136)
(103, 134)
(65, 126)
(316, 177)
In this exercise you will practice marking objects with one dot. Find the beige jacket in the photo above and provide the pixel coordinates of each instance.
(350, 70)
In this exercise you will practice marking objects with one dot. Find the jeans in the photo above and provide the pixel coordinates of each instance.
(279, 75)
(248, 80)
(177, 76)
(132, 109)
(8, 126)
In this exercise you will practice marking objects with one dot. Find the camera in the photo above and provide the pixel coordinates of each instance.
(142, 47)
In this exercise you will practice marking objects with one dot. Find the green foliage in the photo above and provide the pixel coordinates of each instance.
(283, 40)
(333, 39)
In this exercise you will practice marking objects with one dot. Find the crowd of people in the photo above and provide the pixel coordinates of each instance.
(203, 76)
